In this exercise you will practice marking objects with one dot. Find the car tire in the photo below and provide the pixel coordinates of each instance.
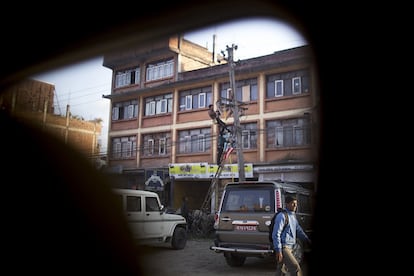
(234, 260)
(179, 238)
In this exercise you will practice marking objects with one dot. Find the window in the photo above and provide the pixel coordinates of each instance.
(162, 106)
(249, 136)
(127, 77)
(151, 108)
(202, 100)
(130, 111)
(200, 143)
(155, 144)
(278, 88)
(195, 140)
(246, 139)
(151, 204)
(246, 93)
(279, 137)
(133, 203)
(246, 90)
(188, 102)
(115, 113)
(229, 96)
(116, 149)
(162, 147)
(298, 133)
(247, 200)
(160, 70)
(158, 105)
(150, 146)
(296, 85)
(287, 84)
(288, 133)
(195, 98)
(124, 147)
(187, 144)
(125, 110)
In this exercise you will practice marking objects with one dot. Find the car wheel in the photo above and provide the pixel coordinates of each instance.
(179, 239)
(234, 260)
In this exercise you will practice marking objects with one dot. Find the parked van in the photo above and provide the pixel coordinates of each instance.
(148, 220)
(243, 219)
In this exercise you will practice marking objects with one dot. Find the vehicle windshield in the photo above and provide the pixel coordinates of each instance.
(248, 200)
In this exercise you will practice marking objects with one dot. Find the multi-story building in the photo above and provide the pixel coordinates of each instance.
(161, 136)
(32, 100)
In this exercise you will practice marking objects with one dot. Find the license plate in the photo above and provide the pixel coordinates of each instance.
(246, 227)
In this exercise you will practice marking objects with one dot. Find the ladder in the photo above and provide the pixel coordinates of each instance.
(214, 182)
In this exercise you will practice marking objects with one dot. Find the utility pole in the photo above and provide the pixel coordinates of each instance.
(235, 107)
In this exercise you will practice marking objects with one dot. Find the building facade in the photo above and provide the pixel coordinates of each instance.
(162, 138)
(33, 100)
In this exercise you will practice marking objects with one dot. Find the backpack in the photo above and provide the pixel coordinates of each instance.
(272, 222)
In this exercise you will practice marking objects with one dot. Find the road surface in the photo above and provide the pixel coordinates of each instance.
(197, 259)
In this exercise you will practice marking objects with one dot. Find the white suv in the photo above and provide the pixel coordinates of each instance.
(148, 221)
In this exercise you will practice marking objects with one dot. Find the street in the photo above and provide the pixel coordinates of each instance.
(197, 259)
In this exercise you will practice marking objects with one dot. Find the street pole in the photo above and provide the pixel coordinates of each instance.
(237, 129)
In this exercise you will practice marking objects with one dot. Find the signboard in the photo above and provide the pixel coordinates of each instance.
(154, 180)
(188, 170)
(284, 168)
(204, 170)
(231, 170)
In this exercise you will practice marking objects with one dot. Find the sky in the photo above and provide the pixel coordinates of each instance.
(82, 85)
